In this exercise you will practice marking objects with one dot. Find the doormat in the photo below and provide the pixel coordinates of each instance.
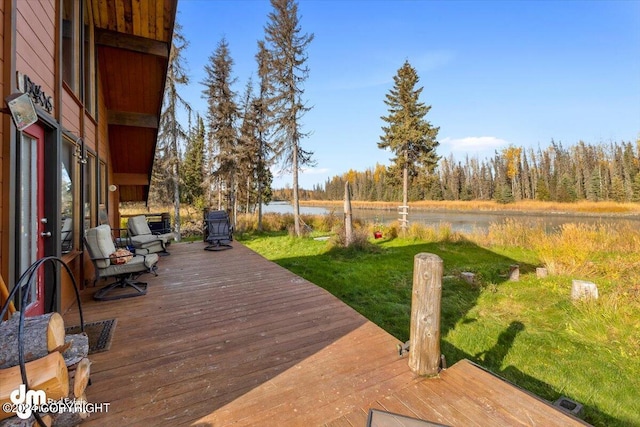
(100, 334)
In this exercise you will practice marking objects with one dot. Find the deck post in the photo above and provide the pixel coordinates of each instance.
(424, 350)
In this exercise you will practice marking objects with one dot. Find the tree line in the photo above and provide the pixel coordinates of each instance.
(223, 159)
(594, 172)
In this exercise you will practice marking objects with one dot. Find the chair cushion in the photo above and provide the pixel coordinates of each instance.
(100, 244)
(147, 241)
(137, 264)
(138, 225)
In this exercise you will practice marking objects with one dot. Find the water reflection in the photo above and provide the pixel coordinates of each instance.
(464, 222)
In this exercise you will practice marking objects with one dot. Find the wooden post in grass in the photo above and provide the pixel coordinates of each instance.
(348, 223)
(424, 350)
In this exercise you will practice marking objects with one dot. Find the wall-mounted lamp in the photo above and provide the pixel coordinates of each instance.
(22, 110)
(113, 188)
(78, 151)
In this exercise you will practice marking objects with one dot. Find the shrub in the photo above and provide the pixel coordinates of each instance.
(360, 240)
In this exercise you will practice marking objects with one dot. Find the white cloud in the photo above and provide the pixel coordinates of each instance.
(431, 60)
(473, 144)
(315, 171)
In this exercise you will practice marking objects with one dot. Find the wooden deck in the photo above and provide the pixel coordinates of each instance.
(229, 338)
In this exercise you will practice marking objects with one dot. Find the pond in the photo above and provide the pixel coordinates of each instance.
(461, 221)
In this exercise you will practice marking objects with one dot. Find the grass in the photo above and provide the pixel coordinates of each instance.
(529, 331)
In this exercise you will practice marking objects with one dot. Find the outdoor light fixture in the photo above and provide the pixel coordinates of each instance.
(78, 152)
(22, 110)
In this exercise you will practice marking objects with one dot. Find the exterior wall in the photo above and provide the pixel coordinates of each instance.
(34, 46)
(35, 43)
(4, 122)
(71, 113)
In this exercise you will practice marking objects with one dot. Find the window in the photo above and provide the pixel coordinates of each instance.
(70, 43)
(78, 52)
(104, 185)
(90, 188)
(68, 178)
(89, 82)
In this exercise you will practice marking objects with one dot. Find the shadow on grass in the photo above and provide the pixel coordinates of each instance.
(377, 282)
(492, 360)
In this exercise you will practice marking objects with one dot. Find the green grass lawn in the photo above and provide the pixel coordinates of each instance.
(528, 332)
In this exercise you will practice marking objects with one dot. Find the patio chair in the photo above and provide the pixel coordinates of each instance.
(218, 231)
(142, 238)
(66, 235)
(99, 243)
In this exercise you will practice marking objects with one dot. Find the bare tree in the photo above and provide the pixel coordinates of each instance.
(171, 132)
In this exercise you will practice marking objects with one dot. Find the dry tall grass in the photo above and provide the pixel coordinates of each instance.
(582, 207)
(602, 249)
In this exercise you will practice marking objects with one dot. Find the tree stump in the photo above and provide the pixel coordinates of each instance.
(468, 277)
(541, 272)
(514, 273)
(581, 289)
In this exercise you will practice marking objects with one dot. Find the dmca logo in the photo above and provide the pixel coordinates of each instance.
(25, 402)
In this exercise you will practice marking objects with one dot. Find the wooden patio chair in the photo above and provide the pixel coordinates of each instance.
(99, 243)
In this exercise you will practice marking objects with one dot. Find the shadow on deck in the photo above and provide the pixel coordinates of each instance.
(231, 338)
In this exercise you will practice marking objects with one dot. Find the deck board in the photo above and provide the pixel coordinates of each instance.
(229, 338)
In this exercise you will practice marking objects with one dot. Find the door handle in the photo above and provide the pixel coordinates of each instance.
(45, 234)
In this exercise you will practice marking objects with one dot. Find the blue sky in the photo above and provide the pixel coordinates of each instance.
(494, 73)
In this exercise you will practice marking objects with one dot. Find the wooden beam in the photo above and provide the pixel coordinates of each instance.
(130, 179)
(130, 42)
(127, 118)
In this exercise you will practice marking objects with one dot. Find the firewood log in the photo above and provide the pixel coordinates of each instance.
(41, 335)
(79, 378)
(71, 419)
(29, 422)
(48, 373)
(78, 348)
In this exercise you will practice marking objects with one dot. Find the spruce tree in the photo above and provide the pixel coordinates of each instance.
(193, 167)
(287, 71)
(222, 115)
(408, 135)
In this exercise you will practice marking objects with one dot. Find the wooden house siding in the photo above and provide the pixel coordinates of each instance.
(70, 113)
(35, 43)
(4, 137)
(89, 132)
(125, 34)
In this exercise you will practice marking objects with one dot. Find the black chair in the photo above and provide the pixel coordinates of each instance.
(218, 231)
